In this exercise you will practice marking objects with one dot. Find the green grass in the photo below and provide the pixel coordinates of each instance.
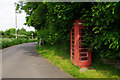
(7, 42)
(59, 55)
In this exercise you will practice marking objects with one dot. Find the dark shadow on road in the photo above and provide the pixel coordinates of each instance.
(29, 49)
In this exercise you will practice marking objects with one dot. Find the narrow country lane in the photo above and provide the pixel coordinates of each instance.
(22, 61)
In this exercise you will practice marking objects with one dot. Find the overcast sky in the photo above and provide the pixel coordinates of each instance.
(7, 16)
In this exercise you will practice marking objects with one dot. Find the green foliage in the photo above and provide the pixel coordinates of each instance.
(21, 33)
(59, 55)
(60, 17)
(29, 33)
(36, 12)
(54, 21)
(7, 42)
(103, 35)
(9, 32)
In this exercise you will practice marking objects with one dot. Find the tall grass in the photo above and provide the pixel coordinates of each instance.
(59, 55)
(7, 42)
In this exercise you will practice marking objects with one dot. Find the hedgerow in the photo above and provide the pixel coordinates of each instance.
(7, 42)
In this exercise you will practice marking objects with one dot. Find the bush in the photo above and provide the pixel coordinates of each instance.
(7, 42)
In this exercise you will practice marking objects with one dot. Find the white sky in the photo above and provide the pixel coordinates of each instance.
(7, 16)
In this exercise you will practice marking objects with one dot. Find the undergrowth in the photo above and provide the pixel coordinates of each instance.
(59, 55)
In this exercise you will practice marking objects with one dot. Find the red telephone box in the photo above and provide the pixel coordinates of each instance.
(80, 55)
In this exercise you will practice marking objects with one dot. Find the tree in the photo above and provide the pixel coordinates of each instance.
(29, 34)
(36, 13)
(23, 31)
(12, 30)
(53, 20)
(55, 24)
(2, 33)
(103, 35)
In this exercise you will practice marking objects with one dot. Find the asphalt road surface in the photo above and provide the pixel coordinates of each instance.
(22, 61)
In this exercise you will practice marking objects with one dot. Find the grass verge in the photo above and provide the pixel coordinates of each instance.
(59, 55)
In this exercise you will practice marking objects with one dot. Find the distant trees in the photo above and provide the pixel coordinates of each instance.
(22, 33)
(29, 34)
(1, 33)
(8, 33)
